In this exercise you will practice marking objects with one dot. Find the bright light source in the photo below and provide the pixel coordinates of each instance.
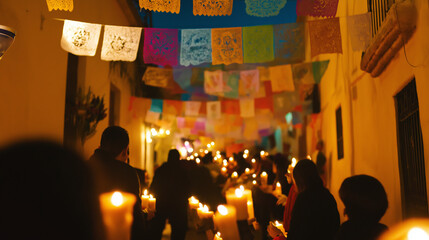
(167, 132)
(308, 157)
(294, 162)
(208, 145)
(234, 175)
(212, 143)
(254, 182)
(262, 153)
(198, 160)
(186, 143)
(231, 159)
(161, 131)
(222, 210)
(117, 199)
(196, 154)
(253, 160)
(206, 151)
(153, 131)
(244, 155)
(417, 234)
(190, 150)
(246, 151)
(192, 157)
(254, 175)
(238, 193)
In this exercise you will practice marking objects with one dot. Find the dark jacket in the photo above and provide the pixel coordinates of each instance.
(314, 216)
(110, 175)
(355, 230)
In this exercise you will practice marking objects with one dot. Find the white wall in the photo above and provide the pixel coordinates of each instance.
(369, 120)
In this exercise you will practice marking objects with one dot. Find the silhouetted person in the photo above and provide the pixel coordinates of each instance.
(320, 159)
(170, 185)
(112, 173)
(314, 214)
(365, 202)
(47, 192)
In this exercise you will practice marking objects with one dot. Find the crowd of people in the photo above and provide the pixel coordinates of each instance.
(52, 193)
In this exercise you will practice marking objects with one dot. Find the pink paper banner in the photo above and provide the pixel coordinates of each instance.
(316, 8)
(192, 108)
(249, 83)
(325, 36)
(213, 81)
(161, 46)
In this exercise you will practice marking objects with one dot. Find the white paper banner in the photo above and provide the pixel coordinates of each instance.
(80, 38)
(120, 43)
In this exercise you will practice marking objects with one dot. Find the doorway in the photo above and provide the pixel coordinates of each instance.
(411, 153)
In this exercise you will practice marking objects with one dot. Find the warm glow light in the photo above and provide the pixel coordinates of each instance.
(149, 140)
(217, 152)
(186, 143)
(208, 145)
(417, 234)
(253, 160)
(153, 131)
(238, 193)
(308, 157)
(192, 157)
(254, 182)
(190, 150)
(262, 153)
(193, 200)
(212, 143)
(145, 192)
(246, 151)
(201, 150)
(167, 132)
(161, 131)
(247, 170)
(223, 169)
(117, 199)
(225, 163)
(277, 224)
(198, 160)
(254, 175)
(222, 210)
(231, 159)
(215, 158)
(263, 174)
(242, 188)
(196, 154)
(294, 162)
(206, 151)
(278, 184)
(244, 155)
(234, 174)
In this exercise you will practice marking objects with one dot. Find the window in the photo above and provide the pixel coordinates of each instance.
(378, 9)
(340, 140)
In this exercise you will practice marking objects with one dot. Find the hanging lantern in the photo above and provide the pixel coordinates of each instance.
(7, 36)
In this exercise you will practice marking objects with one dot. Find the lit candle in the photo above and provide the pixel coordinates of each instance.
(234, 175)
(226, 222)
(239, 201)
(198, 161)
(152, 203)
(278, 190)
(231, 159)
(250, 209)
(254, 175)
(145, 200)
(193, 202)
(217, 236)
(117, 211)
(253, 160)
(223, 170)
(254, 182)
(294, 161)
(247, 170)
(280, 227)
(264, 179)
(203, 212)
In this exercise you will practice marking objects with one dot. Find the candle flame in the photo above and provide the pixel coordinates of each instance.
(223, 169)
(253, 160)
(231, 159)
(222, 210)
(246, 151)
(218, 234)
(200, 205)
(247, 170)
(193, 200)
(206, 151)
(417, 233)
(308, 157)
(249, 203)
(117, 199)
(262, 153)
(242, 188)
(238, 193)
(254, 175)
(254, 182)
(198, 161)
(234, 174)
(278, 184)
(145, 192)
(263, 174)
(294, 162)
(278, 224)
(205, 208)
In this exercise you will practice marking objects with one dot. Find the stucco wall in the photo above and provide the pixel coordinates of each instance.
(369, 118)
(33, 72)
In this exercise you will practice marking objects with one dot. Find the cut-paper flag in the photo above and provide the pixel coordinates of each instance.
(250, 131)
(65, 5)
(213, 81)
(264, 74)
(317, 8)
(120, 43)
(172, 107)
(231, 84)
(359, 27)
(161, 46)
(247, 108)
(319, 69)
(214, 110)
(258, 44)
(195, 47)
(80, 38)
(156, 105)
(325, 36)
(231, 107)
(249, 82)
(180, 122)
(182, 76)
(303, 73)
(264, 8)
(172, 6)
(212, 7)
(152, 117)
(158, 77)
(192, 108)
(284, 103)
(289, 42)
(281, 78)
(227, 46)
(264, 103)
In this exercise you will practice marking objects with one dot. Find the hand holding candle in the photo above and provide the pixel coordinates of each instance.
(264, 179)
(278, 190)
(145, 200)
(117, 211)
(152, 203)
